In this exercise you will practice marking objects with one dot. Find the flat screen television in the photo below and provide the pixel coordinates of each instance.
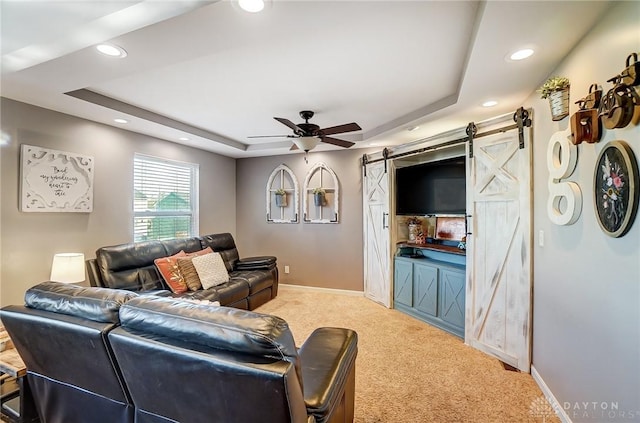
(432, 188)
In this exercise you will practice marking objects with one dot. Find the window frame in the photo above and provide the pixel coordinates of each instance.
(194, 188)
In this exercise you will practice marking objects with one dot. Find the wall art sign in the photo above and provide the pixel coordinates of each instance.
(55, 181)
(615, 187)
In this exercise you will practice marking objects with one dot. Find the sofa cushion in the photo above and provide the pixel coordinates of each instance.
(97, 304)
(223, 328)
(170, 272)
(211, 270)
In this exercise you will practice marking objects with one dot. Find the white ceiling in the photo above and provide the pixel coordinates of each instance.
(217, 75)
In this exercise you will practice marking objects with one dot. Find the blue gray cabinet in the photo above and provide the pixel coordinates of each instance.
(432, 291)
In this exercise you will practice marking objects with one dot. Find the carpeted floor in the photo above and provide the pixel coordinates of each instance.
(408, 371)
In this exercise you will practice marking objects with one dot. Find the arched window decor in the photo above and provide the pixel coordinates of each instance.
(321, 195)
(283, 196)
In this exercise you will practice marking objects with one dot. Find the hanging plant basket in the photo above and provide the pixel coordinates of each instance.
(318, 199)
(559, 104)
(281, 200)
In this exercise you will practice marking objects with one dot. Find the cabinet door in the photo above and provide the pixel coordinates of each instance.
(425, 288)
(452, 290)
(403, 283)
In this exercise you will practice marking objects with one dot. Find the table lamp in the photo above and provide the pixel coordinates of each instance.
(67, 268)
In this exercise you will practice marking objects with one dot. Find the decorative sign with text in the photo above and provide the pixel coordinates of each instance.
(55, 181)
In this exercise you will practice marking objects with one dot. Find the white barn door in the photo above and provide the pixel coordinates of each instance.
(498, 291)
(377, 261)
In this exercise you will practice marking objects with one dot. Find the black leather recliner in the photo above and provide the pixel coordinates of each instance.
(110, 356)
(61, 336)
(196, 363)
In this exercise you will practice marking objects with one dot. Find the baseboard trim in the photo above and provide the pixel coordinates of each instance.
(318, 289)
(564, 417)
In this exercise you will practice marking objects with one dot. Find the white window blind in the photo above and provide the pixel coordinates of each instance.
(165, 198)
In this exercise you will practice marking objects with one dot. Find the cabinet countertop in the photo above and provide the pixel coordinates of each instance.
(434, 247)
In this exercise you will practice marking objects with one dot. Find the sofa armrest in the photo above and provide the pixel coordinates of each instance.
(328, 373)
(256, 263)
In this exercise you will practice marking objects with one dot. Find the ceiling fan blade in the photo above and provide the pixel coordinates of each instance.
(271, 136)
(347, 127)
(336, 141)
(293, 147)
(290, 124)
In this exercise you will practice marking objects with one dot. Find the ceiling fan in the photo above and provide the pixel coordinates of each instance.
(307, 135)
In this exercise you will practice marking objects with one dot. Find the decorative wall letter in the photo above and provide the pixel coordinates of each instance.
(562, 157)
(55, 181)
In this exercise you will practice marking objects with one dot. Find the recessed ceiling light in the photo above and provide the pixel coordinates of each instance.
(111, 50)
(252, 6)
(521, 54)
(119, 120)
(183, 139)
(489, 103)
(413, 128)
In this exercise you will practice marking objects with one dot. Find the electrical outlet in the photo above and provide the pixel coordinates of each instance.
(286, 269)
(541, 238)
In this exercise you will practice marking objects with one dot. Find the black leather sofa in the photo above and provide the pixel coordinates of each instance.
(109, 356)
(252, 281)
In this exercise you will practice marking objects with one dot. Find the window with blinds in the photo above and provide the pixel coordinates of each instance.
(165, 198)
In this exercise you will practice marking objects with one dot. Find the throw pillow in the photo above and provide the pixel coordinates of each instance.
(189, 273)
(211, 270)
(168, 268)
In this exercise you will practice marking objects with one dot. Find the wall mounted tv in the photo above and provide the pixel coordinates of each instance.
(432, 188)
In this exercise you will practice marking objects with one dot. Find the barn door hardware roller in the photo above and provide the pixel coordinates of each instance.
(472, 131)
(521, 118)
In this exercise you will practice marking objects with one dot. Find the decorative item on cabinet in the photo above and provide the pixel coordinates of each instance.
(616, 188)
(415, 228)
(585, 124)
(556, 89)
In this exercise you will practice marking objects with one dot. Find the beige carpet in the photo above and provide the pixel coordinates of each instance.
(408, 371)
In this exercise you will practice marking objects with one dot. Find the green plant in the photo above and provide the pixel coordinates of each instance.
(553, 84)
(318, 190)
(280, 191)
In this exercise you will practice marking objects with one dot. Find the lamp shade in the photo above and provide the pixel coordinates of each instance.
(67, 268)
(306, 143)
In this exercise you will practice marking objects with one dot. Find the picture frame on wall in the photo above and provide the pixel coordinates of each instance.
(55, 181)
(615, 186)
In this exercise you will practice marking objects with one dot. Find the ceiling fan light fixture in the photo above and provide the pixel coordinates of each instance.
(251, 6)
(306, 143)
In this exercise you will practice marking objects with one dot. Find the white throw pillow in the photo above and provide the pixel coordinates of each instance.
(211, 270)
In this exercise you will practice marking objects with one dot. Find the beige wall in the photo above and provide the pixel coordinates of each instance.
(29, 240)
(318, 255)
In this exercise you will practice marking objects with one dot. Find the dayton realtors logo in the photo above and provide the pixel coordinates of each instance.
(599, 411)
